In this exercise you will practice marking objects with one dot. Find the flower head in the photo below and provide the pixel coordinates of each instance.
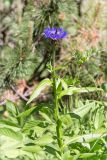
(55, 33)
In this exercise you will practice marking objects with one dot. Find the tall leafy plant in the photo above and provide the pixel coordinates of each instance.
(59, 88)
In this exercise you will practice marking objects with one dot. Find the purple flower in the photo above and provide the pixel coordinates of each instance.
(55, 33)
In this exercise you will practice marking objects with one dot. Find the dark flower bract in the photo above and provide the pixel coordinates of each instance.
(55, 33)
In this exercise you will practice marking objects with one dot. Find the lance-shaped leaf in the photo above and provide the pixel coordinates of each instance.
(26, 113)
(82, 111)
(10, 133)
(84, 138)
(32, 148)
(76, 90)
(40, 87)
(44, 140)
(87, 155)
(11, 108)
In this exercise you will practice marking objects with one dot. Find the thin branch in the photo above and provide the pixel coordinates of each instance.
(17, 93)
(79, 4)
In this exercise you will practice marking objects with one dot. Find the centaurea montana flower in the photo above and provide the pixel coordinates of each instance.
(55, 33)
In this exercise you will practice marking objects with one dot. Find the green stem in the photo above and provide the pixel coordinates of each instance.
(56, 111)
(54, 89)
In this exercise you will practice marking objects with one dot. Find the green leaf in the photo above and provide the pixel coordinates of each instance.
(11, 108)
(84, 138)
(99, 118)
(10, 133)
(66, 120)
(26, 113)
(39, 88)
(75, 90)
(13, 153)
(61, 84)
(87, 155)
(101, 130)
(64, 84)
(59, 87)
(32, 123)
(52, 149)
(32, 149)
(8, 123)
(82, 111)
(44, 140)
(66, 155)
(39, 131)
(45, 116)
(75, 115)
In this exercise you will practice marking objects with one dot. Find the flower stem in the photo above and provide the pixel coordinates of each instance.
(54, 88)
(56, 106)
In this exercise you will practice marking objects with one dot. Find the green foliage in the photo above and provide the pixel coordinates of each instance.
(36, 133)
(83, 138)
